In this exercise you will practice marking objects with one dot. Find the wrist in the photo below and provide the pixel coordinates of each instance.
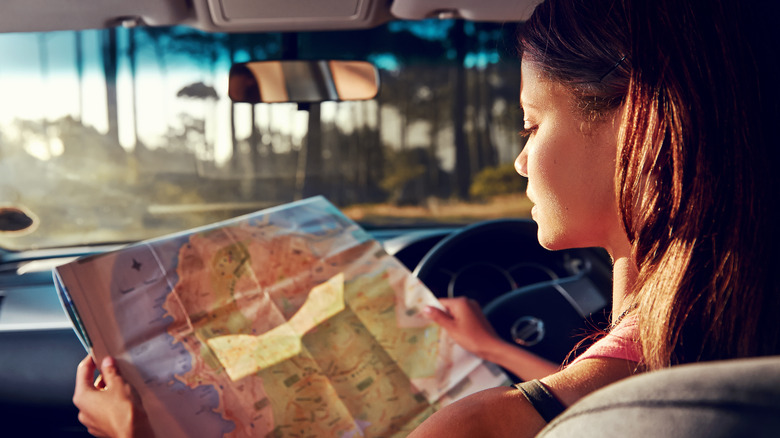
(136, 424)
(493, 349)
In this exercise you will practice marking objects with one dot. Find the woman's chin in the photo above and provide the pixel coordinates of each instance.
(553, 238)
(545, 239)
(549, 245)
(543, 233)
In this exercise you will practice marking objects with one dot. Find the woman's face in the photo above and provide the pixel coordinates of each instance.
(570, 166)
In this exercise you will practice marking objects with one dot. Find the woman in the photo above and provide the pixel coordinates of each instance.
(672, 103)
(650, 134)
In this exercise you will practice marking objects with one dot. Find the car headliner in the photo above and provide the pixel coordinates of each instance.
(247, 15)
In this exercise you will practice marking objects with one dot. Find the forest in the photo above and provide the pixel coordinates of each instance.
(133, 130)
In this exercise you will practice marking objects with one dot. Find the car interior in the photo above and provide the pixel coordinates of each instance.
(544, 301)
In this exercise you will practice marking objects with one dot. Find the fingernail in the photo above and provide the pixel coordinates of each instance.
(108, 361)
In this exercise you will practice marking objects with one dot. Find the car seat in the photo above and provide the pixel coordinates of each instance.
(734, 398)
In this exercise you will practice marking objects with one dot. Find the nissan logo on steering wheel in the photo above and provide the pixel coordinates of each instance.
(528, 331)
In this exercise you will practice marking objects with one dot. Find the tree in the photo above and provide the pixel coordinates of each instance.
(133, 61)
(109, 51)
(79, 49)
(500, 180)
(207, 94)
(308, 176)
(462, 166)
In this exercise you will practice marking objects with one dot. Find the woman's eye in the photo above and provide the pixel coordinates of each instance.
(526, 132)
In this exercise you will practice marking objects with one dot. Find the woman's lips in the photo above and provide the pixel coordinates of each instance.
(529, 195)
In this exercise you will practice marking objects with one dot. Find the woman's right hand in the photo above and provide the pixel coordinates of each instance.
(465, 323)
(108, 406)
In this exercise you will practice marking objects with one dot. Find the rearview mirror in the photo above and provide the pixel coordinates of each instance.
(302, 81)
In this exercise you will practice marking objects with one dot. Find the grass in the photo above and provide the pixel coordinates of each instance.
(442, 211)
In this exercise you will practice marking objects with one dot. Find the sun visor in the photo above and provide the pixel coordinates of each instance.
(289, 15)
(483, 10)
(48, 15)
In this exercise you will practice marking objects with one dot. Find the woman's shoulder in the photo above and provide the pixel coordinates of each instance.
(622, 342)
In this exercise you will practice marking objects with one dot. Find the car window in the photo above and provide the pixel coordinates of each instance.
(117, 135)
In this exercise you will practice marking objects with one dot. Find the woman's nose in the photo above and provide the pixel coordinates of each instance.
(521, 163)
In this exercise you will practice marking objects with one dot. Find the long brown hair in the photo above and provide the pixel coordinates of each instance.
(696, 176)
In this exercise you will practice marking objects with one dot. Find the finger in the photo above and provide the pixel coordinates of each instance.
(85, 372)
(84, 375)
(438, 316)
(100, 383)
(110, 372)
(453, 302)
(462, 305)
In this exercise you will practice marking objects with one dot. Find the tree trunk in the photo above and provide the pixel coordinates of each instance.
(80, 72)
(131, 55)
(109, 49)
(462, 165)
(309, 181)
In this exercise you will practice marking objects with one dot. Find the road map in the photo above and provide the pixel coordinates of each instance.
(289, 322)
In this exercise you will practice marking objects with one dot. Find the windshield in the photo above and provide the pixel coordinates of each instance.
(118, 135)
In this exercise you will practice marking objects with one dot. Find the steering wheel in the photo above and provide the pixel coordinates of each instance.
(541, 300)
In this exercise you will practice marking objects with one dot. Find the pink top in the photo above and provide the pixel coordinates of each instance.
(622, 342)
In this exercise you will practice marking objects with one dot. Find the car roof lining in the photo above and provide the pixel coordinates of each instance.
(247, 15)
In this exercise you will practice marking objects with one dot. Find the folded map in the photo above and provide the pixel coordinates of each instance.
(289, 322)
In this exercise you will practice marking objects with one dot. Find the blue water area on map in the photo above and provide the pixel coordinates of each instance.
(143, 276)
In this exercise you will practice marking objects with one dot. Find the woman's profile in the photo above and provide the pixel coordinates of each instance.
(664, 110)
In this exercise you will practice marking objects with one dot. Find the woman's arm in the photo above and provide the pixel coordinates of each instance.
(465, 322)
(492, 413)
(505, 412)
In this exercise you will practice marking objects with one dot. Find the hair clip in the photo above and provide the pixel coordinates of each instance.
(613, 68)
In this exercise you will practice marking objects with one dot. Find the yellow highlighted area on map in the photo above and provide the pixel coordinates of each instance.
(242, 355)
